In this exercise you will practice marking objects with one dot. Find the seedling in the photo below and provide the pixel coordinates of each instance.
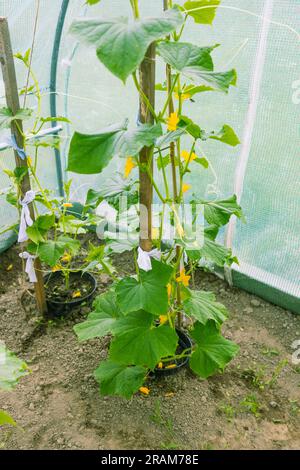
(259, 378)
(270, 352)
(167, 425)
(228, 410)
(252, 405)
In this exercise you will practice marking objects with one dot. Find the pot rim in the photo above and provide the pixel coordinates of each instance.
(75, 301)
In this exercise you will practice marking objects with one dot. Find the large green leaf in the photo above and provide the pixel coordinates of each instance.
(195, 9)
(213, 351)
(113, 186)
(202, 306)
(169, 137)
(40, 227)
(101, 321)
(11, 369)
(148, 293)
(218, 212)
(89, 154)
(51, 250)
(117, 379)
(213, 252)
(220, 81)
(196, 63)
(138, 341)
(122, 245)
(122, 45)
(185, 57)
(227, 136)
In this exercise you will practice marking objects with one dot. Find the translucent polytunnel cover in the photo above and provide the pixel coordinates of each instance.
(260, 38)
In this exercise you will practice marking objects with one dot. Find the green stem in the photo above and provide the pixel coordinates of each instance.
(144, 97)
(170, 93)
(136, 264)
(164, 175)
(135, 8)
(185, 353)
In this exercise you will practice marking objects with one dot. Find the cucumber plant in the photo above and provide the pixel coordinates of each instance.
(143, 311)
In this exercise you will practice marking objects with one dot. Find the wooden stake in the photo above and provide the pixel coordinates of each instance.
(12, 100)
(147, 84)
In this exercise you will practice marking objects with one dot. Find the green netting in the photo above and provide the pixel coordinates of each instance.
(263, 109)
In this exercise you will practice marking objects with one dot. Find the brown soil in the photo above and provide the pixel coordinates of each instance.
(59, 407)
(57, 291)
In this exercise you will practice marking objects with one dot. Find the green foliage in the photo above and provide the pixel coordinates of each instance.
(11, 369)
(92, 2)
(185, 57)
(147, 293)
(218, 212)
(118, 379)
(140, 311)
(51, 250)
(216, 253)
(227, 136)
(121, 45)
(196, 63)
(7, 116)
(213, 352)
(6, 419)
(196, 9)
(166, 139)
(90, 154)
(220, 81)
(202, 306)
(40, 227)
(251, 404)
(102, 320)
(191, 128)
(137, 341)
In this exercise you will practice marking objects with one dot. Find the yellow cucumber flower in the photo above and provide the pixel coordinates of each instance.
(186, 187)
(129, 166)
(186, 156)
(56, 268)
(66, 258)
(172, 122)
(76, 294)
(183, 278)
(144, 390)
(67, 204)
(163, 319)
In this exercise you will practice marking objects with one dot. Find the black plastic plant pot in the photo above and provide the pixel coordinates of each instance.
(184, 344)
(61, 307)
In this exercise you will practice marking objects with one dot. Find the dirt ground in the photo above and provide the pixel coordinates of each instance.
(255, 404)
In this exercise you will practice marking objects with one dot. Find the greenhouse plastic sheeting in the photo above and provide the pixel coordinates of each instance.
(259, 38)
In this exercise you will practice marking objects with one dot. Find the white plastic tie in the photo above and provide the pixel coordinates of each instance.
(26, 220)
(29, 268)
(144, 258)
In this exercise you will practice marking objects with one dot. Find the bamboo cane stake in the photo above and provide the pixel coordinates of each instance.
(147, 85)
(12, 99)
